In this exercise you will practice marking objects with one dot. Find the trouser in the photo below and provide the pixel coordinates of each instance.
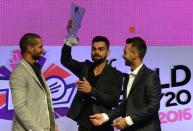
(104, 127)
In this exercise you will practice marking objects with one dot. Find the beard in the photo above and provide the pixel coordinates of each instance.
(36, 57)
(98, 59)
(128, 62)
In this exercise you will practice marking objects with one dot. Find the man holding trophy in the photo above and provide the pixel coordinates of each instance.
(99, 85)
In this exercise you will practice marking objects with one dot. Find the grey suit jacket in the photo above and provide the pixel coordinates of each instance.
(29, 100)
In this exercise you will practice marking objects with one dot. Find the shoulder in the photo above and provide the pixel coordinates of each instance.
(114, 71)
(88, 62)
(150, 72)
(19, 69)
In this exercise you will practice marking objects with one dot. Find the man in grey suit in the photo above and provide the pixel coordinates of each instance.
(30, 93)
(142, 93)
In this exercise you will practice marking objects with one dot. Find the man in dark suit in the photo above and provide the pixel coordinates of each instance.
(99, 85)
(142, 91)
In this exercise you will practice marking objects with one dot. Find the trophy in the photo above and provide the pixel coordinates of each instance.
(77, 14)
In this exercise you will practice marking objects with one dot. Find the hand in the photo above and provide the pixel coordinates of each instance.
(57, 129)
(84, 86)
(97, 119)
(71, 41)
(120, 123)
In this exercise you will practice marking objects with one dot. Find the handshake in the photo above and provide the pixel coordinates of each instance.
(100, 118)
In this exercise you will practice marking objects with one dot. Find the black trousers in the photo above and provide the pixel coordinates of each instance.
(104, 127)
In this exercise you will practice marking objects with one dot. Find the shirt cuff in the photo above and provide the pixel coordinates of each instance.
(105, 117)
(129, 120)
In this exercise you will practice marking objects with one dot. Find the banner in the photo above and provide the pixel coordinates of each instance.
(173, 64)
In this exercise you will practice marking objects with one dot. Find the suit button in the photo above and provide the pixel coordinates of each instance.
(82, 100)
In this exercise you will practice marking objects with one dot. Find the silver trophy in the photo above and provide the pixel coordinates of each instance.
(77, 14)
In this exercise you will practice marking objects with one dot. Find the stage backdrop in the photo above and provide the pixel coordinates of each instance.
(159, 22)
(173, 64)
(166, 25)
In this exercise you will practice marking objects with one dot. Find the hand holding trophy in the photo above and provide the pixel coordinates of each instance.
(77, 14)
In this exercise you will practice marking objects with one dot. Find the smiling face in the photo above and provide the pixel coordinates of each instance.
(99, 52)
(129, 54)
(37, 49)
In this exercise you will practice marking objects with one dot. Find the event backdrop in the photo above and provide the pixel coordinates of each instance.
(174, 68)
(159, 22)
(166, 25)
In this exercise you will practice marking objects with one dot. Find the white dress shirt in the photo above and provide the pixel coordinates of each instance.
(132, 76)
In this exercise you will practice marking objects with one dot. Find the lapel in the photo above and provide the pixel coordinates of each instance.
(138, 76)
(31, 71)
(126, 80)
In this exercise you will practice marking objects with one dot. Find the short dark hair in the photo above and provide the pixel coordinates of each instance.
(139, 44)
(101, 38)
(26, 40)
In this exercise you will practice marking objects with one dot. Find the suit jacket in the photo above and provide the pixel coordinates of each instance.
(143, 101)
(29, 100)
(106, 93)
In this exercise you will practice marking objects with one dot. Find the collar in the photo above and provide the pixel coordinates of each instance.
(136, 70)
(34, 66)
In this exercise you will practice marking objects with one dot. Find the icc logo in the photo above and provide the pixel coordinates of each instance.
(62, 93)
